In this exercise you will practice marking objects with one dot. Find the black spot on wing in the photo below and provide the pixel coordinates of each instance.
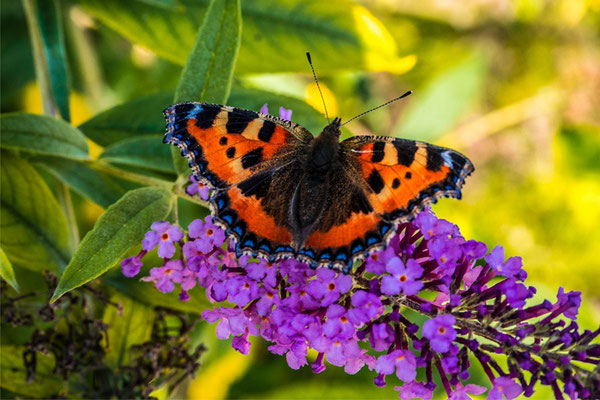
(408, 175)
(252, 158)
(238, 120)
(378, 151)
(206, 117)
(395, 183)
(434, 159)
(375, 181)
(230, 152)
(406, 150)
(266, 131)
(257, 185)
(359, 203)
(223, 140)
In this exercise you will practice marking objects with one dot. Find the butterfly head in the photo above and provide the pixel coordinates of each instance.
(333, 129)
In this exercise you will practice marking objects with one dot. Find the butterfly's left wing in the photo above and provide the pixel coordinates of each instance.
(247, 158)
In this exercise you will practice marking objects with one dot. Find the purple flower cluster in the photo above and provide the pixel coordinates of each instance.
(479, 309)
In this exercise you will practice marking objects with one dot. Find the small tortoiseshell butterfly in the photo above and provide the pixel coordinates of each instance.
(279, 192)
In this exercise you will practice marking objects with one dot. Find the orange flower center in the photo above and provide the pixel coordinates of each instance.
(331, 286)
(343, 319)
(402, 278)
(400, 358)
(442, 330)
(164, 236)
(246, 286)
(374, 257)
(168, 271)
(209, 232)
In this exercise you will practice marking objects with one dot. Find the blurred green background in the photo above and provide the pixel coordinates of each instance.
(513, 84)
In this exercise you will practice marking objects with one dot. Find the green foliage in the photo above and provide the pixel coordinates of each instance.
(39, 134)
(145, 152)
(94, 185)
(208, 72)
(128, 326)
(34, 228)
(6, 271)
(339, 33)
(12, 374)
(135, 118)
(121, 227)
(47, 38)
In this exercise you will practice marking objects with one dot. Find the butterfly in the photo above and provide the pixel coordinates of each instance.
(278, 192)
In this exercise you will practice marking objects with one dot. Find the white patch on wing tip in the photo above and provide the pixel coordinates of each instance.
(447, 158)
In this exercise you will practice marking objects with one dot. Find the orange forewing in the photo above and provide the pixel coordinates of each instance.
(410, 180)
(216, 142)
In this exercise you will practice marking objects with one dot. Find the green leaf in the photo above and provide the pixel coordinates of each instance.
(94, 185)
(147, 152)
(6, 271)
(40, 134)
(12, 374)
(208, 72)
(435, 110)
(33, 227)
(121, 227)
(135, 118)
(47, 37)
(129, 327)
(340, 34)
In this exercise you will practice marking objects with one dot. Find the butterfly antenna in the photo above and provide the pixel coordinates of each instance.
(318, 87)
(382, 105)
